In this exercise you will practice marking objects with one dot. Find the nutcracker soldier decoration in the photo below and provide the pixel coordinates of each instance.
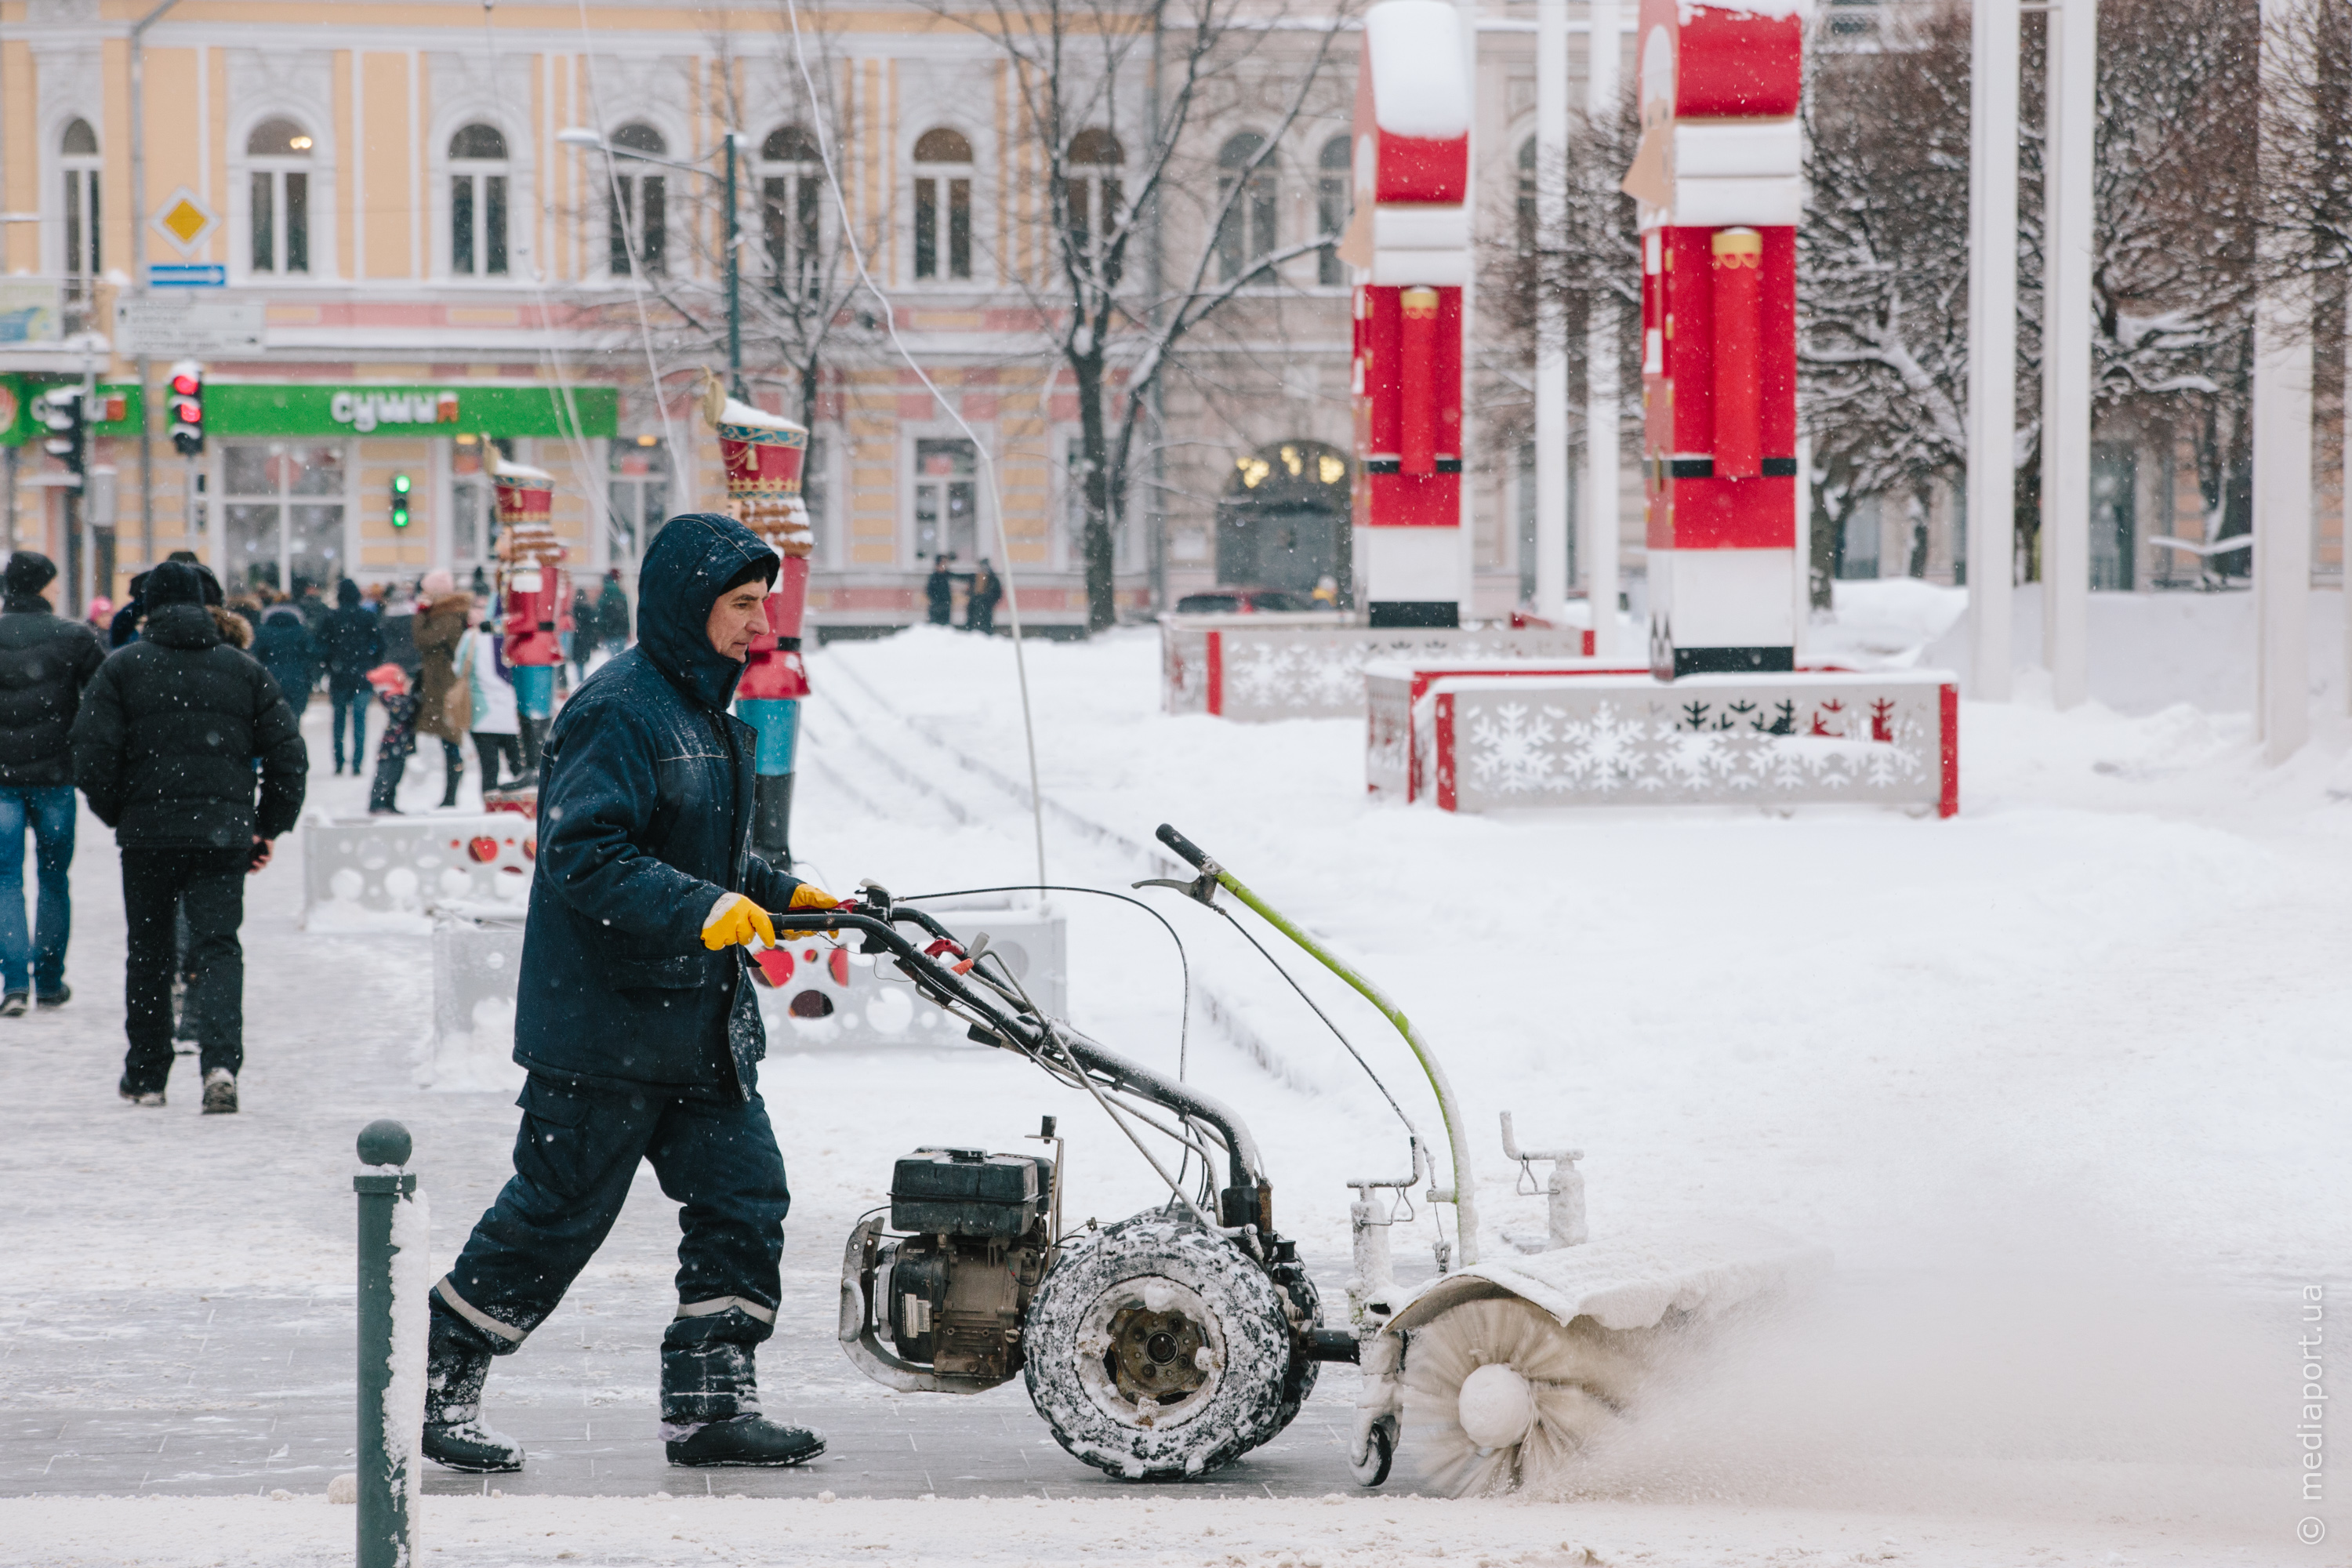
(534, 597)
(1409, 243)
(1716, 176)
(763, 454)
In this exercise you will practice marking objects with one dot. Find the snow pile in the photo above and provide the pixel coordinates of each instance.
(1419, 85)
(732, 412)
(1885, 624)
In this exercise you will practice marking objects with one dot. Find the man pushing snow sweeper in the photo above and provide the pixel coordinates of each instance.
(635, 1020)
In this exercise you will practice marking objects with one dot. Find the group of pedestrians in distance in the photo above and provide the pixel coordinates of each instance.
(178, 719)
(983, 592)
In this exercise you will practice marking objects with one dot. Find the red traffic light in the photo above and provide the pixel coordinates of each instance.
(187, 383)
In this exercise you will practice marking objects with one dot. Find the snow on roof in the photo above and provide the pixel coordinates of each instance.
(1773, 8)
(734, 413)
(1419, 85)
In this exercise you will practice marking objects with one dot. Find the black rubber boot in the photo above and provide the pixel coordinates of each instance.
(455, 1435)
(748, 1441)
(453, 770)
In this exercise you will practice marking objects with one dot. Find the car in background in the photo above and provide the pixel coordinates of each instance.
(1244, 601)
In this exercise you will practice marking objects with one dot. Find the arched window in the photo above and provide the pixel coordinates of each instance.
(77, 156)
(638, 223)
(278, 164)
(942, 205)
(1245, 234)
(792, 208)
(477, 201)
(1094, 189)
(1332, 206)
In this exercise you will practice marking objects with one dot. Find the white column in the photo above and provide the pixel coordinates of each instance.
(1992, 344)
(1600, 459)
(2067, 374)
(2282, 419)
(1803, 620)
(1552, 521)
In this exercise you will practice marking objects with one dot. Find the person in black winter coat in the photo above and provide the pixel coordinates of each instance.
(164, 750)
(284, 649)
(634, 1016)
(352, 642)
(45, 662)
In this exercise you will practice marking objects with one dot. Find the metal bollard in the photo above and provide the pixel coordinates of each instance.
(387, 1458)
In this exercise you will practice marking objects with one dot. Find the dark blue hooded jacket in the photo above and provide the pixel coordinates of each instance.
(645, 819)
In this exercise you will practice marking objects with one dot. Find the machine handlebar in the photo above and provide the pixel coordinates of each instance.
(1191, 852)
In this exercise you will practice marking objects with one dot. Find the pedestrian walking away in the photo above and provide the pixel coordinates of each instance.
(612, 612)
(497, 725)
(441, 699)
(938, 591)
(283, 646)
(390, 683)
(987, 592)
(353, 641)
(45, 664)
(635, 1020)
(164, 748)
(581, 639)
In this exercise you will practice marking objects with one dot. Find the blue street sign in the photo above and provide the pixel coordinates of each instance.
(187, 275)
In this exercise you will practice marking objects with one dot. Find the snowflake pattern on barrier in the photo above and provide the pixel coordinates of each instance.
(1317, 672)
(1516, 748)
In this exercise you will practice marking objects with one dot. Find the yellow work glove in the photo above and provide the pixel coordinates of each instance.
(736, 918)
(808, 896)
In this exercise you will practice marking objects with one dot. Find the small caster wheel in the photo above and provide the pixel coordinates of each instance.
(1380, 1453)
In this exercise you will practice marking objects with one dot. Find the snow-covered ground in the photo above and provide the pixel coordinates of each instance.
(2062, 1081)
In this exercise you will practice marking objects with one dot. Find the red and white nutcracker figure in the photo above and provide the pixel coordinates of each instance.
(1410, 245)
(1717, 178)
(763, 454)
(534, 597)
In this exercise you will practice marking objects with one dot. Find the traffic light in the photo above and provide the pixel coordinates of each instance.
(67, 421)
(188, 408)
(400, 501)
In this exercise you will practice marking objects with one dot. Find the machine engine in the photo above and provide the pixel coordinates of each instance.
(953, 1292)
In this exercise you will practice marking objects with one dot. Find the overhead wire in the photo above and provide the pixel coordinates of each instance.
(980, 448)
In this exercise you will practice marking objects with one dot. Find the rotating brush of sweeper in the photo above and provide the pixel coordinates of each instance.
(1508, 1369)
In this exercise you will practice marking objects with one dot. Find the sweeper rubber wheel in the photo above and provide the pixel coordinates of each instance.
(1158, 1351)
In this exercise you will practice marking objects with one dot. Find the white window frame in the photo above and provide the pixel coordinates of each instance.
(803, 187)
(910, 548)
(321, 196)
(80, 178)
(448, 170)
(631, 175)
(939, 177)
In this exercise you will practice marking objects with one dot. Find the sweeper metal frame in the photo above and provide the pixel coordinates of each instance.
(1163, 1345)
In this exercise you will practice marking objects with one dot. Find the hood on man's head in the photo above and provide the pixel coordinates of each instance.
(29, 572)
(176, 582)
(347, 594)
(695, 557)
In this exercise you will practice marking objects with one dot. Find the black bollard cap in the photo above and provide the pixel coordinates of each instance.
(384, 1142)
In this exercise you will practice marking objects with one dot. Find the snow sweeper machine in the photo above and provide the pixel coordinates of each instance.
(1172, 1342)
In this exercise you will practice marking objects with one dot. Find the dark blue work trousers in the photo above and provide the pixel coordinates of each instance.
(575, 1156)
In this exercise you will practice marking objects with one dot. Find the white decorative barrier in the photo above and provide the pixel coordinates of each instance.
(1496, 742)
(1394, 767)
(1260, 668)
(410, 864)
(819, 996)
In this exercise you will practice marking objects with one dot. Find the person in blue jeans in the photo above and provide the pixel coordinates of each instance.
(45, 662)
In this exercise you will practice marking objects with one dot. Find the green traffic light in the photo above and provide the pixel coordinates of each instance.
(400, 501)
(400, 484)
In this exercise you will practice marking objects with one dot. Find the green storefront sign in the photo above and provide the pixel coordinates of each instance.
(325, 409)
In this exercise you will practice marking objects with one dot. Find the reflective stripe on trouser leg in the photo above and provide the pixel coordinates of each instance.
(447, 1294)
(719, 1304)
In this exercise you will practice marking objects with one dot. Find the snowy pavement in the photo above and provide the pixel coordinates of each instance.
(2062, 1082)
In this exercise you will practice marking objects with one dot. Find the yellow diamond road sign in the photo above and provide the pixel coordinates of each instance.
(185, 220)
